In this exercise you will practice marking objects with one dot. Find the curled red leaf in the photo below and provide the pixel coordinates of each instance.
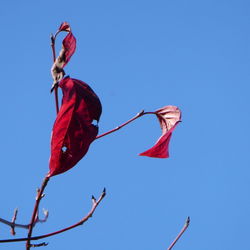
(169, 117)
(69, 47)
(64, 27)
(67, 51)
(73, 131)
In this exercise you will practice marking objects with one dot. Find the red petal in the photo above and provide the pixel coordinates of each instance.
(73, 131)
(169, 117)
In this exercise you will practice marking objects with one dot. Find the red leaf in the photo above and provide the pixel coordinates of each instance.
(64, 27)
(73, 131)
(68, 49)
(169, 117)
(69, 46)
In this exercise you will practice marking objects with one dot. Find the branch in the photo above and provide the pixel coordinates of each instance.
(55, 86)
(181, 233)
(13, 222)
(95, 203)
(13, 225)
(126, 123)
(43, 244)
(34, 216)
(52, 44)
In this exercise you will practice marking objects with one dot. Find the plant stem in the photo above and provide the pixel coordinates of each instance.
(34, 214)
(124, 124)
(180, 234)
(95, 203)
(53, 38)
(56, 99)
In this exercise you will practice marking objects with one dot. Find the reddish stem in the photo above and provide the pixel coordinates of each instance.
(126, 123)
(13, 222)
(180, 234)
(53, 38)
(53, 46)
(94, 206)
(56, 99)
(35, 210)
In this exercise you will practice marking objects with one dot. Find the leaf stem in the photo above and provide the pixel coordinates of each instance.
(124, 124)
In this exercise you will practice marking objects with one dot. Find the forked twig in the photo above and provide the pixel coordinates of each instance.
(12, 231)
(12, 224)
(181, 233)
(95, 203)
(43, 244)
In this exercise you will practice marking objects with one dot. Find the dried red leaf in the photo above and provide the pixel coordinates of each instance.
(64, 27)
(69, 47)
(73, 131)
(169, 117)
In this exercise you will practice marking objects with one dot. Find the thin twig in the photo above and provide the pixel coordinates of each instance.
(43, 244)
(34, 214)
(95, 203)
(11, 224)
(25, 226)
(52, 44)
(12, 230)
(53, 39)
(180, 234)
(126, 123)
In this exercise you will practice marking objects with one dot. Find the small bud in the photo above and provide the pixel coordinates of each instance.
(45, 212)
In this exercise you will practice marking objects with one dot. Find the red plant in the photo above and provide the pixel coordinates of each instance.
(74, 131)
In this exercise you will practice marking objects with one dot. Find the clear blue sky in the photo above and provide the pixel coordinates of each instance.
(136, 55)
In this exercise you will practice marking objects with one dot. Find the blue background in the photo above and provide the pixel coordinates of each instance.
(135, 55)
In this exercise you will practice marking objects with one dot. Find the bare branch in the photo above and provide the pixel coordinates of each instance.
(34, 216)
(13, 225)
(12, 231)
(181, 233)
(46, 215)
(95, 204)
(43, 244)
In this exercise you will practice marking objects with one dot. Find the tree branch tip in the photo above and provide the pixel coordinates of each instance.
(141, 113)
(12, 227)
(188, 221)
(15, 214)
(52, 38)
(93, 198)
(104, 191)
(45, 212)
(43, 244)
